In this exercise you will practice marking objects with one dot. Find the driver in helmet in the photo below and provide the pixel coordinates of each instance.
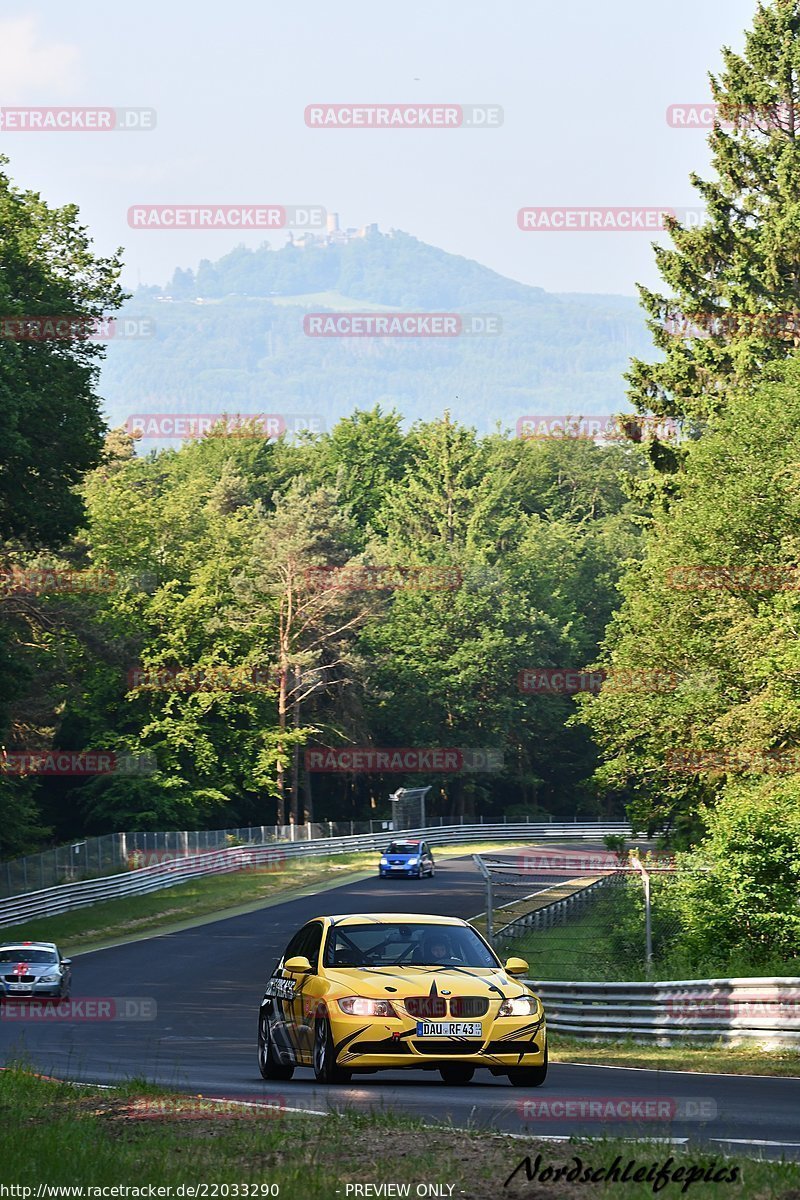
(437, 949)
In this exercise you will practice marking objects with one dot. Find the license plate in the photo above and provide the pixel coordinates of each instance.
(20, 987)
(470, 1029)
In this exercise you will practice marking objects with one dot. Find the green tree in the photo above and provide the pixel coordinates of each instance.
(50, 423)
(704, 647)
(365, 456)
(745, 260)
(301, 602)
(744, 905)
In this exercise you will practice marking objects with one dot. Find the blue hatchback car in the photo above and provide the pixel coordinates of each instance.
(407, 857)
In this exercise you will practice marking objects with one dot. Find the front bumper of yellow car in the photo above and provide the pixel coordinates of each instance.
(374, 1043)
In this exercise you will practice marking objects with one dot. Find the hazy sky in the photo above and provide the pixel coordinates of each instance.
(584, 88)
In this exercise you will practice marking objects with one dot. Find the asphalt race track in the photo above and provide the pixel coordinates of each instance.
(207, 983)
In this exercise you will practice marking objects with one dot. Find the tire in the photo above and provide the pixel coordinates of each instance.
(529, 1076)
(456, 1073)
(268, 1064)
(324, 1056)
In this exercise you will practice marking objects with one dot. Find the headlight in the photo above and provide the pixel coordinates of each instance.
(412, 862)
(360, 1006)
(384, 861)
(48, 979)
(520, 1006)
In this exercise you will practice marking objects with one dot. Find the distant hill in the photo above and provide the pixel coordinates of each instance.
(230, 338)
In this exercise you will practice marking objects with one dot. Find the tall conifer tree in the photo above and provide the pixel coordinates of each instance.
(736, 279)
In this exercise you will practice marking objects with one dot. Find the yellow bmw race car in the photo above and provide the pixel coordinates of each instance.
(385, 991)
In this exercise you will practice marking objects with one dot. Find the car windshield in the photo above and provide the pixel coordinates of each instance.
(24, 954)
(403, 848)
(400, 945)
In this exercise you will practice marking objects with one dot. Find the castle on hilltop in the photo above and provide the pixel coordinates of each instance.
(333, 235)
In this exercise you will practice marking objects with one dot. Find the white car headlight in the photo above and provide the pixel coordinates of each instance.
(384, 861)
(520, 1006)
(361, 1006)
(49, 978)
(412, 862)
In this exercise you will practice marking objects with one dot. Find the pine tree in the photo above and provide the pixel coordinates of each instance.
(735, 280)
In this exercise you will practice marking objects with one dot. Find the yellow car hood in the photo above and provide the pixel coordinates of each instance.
(419, 981)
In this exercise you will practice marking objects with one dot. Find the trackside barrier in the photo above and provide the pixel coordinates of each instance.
(554, 913)
(15, 910)
(97, 857)
(758, 1011)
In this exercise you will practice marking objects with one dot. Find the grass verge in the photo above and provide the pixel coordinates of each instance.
(211, 896)
(714, 1059)
(62, 1136)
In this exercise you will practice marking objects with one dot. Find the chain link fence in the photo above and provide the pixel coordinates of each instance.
(583, 915)
(93, 857)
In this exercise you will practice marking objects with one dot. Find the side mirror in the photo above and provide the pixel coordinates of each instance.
(516, 966)
(299, 965)
(66, 962)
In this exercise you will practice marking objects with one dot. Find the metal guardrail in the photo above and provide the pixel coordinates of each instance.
(96, 857)
(15, 910)
(546, 915)
(760, 1011)
(763, 1011)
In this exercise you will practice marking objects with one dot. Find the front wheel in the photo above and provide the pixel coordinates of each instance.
(529, 1076)
(325, 1068)
(456, 1073)
(268, 1064)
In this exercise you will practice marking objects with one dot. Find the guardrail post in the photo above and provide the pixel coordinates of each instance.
(648, 931)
